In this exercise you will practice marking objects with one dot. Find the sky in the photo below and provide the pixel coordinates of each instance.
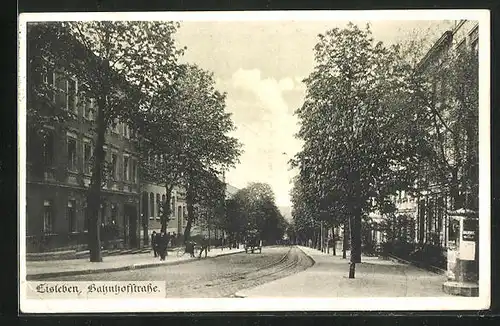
(261, 65)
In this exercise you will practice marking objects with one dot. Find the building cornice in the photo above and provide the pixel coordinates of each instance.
(446, 38)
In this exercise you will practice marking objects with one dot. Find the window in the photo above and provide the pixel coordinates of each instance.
(133, 171)
(103, 213)
(70, 214)
(49, 79)
(87, 158)
(114, 213)
(126, 160)
(179, 212)
(126, 131)
(151, 206)
(47, 216)
(71, 95)
(61, 86)
(48, 148)
(72, 159)
(88, 109)
(159, 208)
(114, 166)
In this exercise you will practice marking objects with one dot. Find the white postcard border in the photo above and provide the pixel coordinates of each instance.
(275, 304)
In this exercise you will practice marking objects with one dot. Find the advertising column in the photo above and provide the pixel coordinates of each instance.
(463, 254)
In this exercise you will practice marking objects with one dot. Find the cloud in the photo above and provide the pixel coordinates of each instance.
(266, 127)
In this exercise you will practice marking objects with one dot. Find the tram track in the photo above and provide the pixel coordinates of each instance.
(293, 261)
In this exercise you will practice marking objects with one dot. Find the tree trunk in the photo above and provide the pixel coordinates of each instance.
(454, 190)
(352, 269)
(471, 175)
(94, 194)
(344, 241)
(334, 241)
(190, 211)
(355, 224)
(167, 208)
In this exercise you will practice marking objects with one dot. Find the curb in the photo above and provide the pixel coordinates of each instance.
(461, 289)
(308, 256)
(241, 294)
(41, 276)
(431, 269)
(74, 255)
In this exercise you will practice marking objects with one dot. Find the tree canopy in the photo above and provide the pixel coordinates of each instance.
(117, 64)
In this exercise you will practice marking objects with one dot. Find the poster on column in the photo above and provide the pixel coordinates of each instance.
(468, 241)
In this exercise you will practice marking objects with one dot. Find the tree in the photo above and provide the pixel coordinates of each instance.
(451, 81)
(43, 105)
(116, 64)
(206, 148)
(361, 126)
(161, 124)
(254, 208)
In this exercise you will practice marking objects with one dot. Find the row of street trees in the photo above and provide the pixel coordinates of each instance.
(130, 71)
(376, 121)
(254, 208)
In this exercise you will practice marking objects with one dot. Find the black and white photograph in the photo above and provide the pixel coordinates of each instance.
(268, 161)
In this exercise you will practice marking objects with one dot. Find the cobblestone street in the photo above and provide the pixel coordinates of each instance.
(215, 277)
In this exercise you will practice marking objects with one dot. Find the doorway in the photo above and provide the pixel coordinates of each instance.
(130, 223)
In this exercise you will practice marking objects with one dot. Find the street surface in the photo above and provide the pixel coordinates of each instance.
(214, 277)
(374, 278)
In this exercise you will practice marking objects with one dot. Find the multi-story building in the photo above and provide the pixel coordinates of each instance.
(425, 210)
(59, 171)
(435, 199)
(429, 205)
(152, 199)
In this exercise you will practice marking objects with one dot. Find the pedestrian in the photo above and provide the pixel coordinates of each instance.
(204, 246)
(174, 239)
(154, 244)
(190, 248)
(162, 245)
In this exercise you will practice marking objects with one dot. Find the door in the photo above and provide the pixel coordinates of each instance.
(131, 225)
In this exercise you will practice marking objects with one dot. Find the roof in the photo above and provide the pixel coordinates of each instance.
(445, 39)
(230, 191)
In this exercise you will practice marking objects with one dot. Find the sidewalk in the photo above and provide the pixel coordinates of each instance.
(328, 278)
(36, 270)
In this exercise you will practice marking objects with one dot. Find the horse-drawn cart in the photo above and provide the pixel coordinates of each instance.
(253, 242)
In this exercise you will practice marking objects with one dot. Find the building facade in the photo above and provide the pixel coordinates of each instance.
(152, 199)
(58, 176)
(434, 200)
(421, 216)
(428, 206)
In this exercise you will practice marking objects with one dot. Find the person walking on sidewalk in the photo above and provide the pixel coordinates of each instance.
(204, 246)
(154, 244)
(162, 245)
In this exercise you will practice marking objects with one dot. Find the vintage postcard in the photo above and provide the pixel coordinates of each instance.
(254, 161)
